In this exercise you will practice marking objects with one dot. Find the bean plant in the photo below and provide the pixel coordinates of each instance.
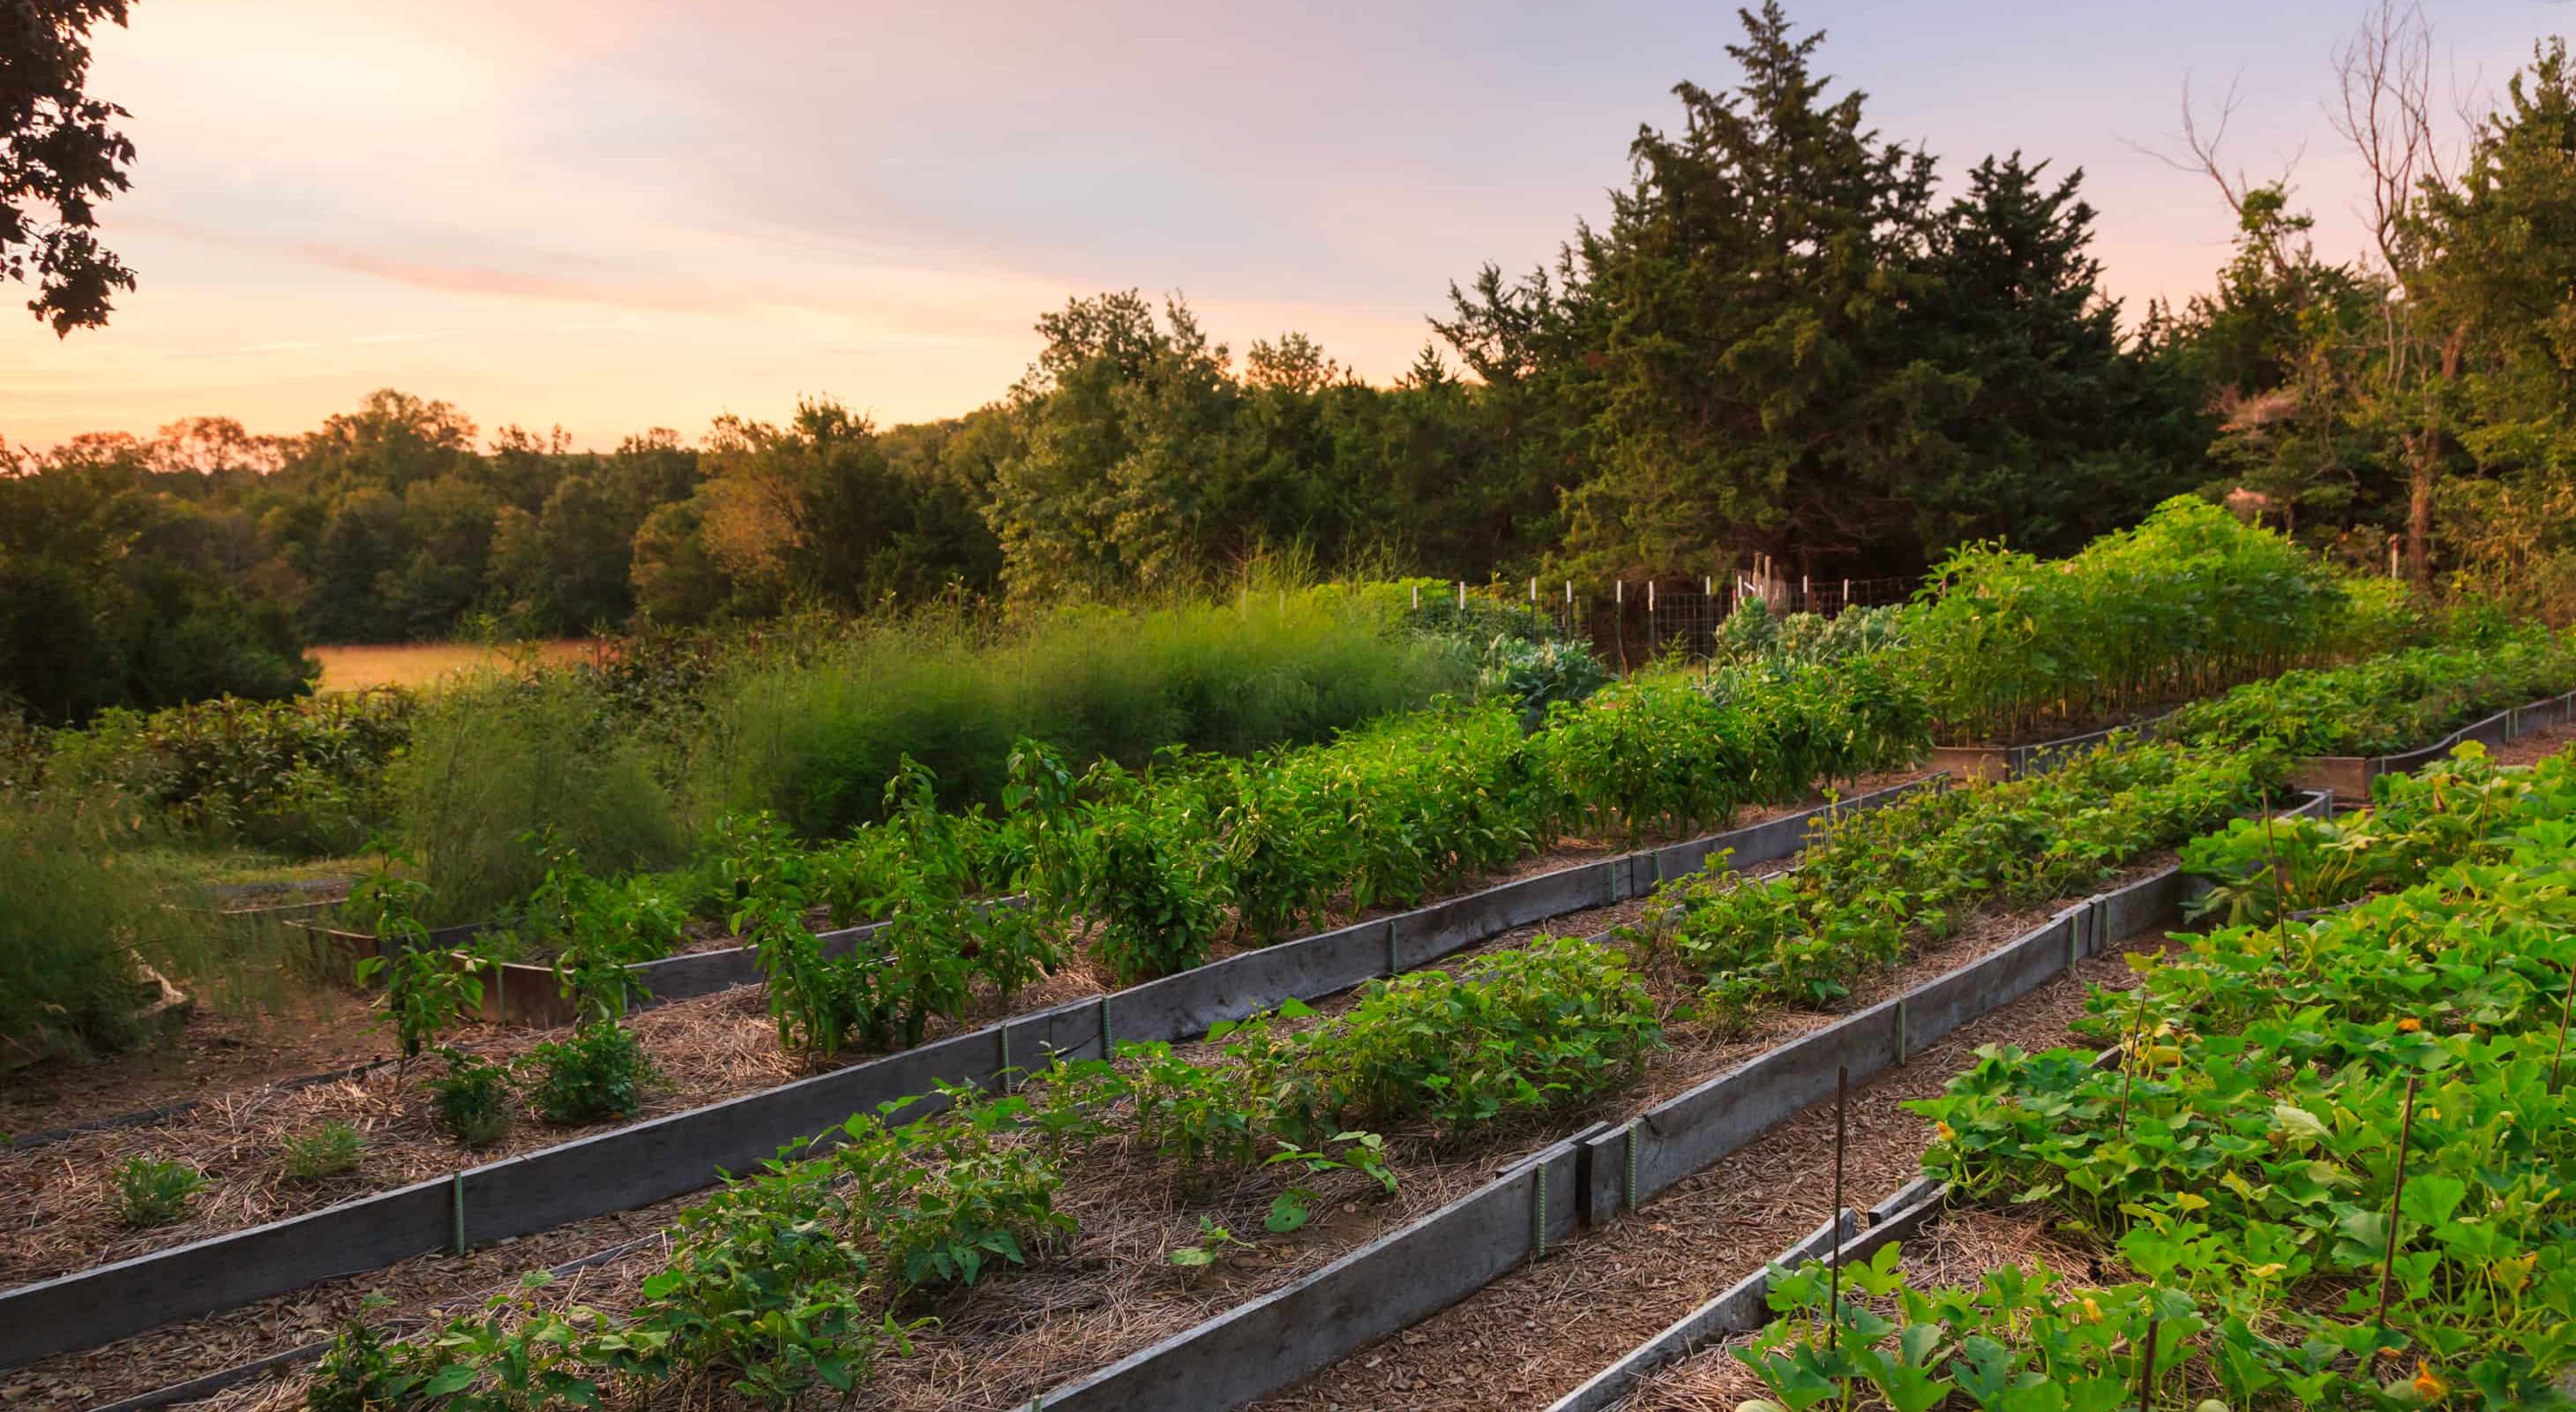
(2240, 1167)
(788, 1281)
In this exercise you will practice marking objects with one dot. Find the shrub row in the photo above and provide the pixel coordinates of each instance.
(2007, 646)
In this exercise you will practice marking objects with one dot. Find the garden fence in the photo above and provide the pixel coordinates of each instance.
(1632, 622)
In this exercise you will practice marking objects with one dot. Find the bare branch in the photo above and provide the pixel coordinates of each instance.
(2385, 74)
(2235, 187)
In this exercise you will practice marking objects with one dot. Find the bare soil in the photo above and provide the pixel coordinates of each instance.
(2535, 747)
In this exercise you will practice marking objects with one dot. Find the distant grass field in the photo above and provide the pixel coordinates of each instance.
(418, 664)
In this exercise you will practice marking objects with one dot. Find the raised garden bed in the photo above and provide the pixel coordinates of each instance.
(2348, 777)
(672, 1155)
(1562, 1171)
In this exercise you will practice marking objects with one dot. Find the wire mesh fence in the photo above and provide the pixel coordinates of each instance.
(1630, 623)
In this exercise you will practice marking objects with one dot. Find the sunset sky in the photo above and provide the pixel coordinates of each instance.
(613, 216)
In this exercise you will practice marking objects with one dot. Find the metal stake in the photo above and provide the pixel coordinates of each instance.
(2147, 1367)
(2564, 1007)
(1834, 1278)
(2396, 1196)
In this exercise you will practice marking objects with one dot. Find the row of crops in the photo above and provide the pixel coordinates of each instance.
(1147, 871)
(2328, 1170)
(815, 1272)
(2392, 702)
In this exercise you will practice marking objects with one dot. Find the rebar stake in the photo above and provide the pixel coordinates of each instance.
(2565, 1006)
(1834, 1277)
(2396, 1196)
(2147, 1366)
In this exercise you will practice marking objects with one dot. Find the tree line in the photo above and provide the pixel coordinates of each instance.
(1784, 340)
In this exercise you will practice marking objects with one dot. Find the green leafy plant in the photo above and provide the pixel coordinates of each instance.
(2380, 705)
(1214, 1241)
(2336, 1141)
(601, 1073)
(152, 1191)
(427, 991)
(473, 1099)
(816, 999)
(1147, 881)
(1920, 867)
(359, 1371)
(595, 931)
(1522, 1030)
(331, 1150)
(2190, 601)
(2024, 1340)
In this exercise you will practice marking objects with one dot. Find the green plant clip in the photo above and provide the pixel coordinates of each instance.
(1901, 1037)
(1632, 1165)
(1108, 1042)
(1390, 950)
(1003, 1074)
(456, 1187)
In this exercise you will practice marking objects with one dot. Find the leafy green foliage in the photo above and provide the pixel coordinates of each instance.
(331, 1150)
(2462, 808)
(599, 1074)
(359, 1371)
(2190, 601)
(927, 875)
(472, 1099)
(1751, 633)
(1214, 1241)
(1522, 1031)
(305, 775)
(782, 1283)
(2243, 1157)
(1673, 749)
(151, 1191)
(2382, 705)
(1146, 878)
(1922, 865)
(2023, 1340)
(594, 930)
(427, 990)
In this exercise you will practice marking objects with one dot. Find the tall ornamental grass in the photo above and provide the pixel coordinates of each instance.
(2190, 602)
(500, 766)
(817, 741)
(90, 897)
